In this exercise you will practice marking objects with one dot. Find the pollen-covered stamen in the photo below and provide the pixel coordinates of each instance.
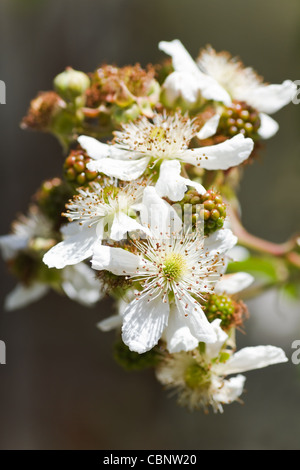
(93, 203)
(229, 71)
(197, 375)
(178, 265)
(174, 266)
(164, 137)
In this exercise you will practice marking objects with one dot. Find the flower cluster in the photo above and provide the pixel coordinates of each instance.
(145, 216)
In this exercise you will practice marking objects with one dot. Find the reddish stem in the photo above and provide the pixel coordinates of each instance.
(259, 244)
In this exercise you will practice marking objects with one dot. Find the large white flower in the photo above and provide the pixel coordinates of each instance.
(96, 213)
(174, 271)
(221, 78)
(166, 138)
(199, 376)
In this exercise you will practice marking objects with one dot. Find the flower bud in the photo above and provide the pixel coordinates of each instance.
(71, 83)
(42, 111)
(51, 199)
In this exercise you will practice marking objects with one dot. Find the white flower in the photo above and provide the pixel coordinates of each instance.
(233, 283)
(25, 229)
(35, 232)
(173, 269)
(96, 214)
(199, 377)
(77, 282)
(221, 78)
(171, 184)
(166, 138)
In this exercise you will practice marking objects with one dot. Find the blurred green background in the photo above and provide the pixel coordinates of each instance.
(61, 388)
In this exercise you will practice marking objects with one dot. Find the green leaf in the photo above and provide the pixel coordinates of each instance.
(266, 268)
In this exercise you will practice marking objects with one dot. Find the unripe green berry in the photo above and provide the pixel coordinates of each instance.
(215, 215)
(239, 118)
(213, 211)
(209, 205)
(75, 168)
(79, 166)
(224, 307)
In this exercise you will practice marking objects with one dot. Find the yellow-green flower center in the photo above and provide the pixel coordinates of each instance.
(158, 134)
(197, 376)
(174, 266)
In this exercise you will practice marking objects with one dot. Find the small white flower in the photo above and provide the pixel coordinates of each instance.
(199, 378)
(77, 282)
(96, 214)
(173, 269)
(221, 78)
(34, 232)
(165, 138)
(25, 228)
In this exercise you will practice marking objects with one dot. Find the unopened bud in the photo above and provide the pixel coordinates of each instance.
(71, 83)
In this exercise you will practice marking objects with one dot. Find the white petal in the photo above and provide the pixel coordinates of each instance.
(171, 184)
(21, 296)
(238, 253)
(116, 260)
(158, 215)
(74, 249)
(231, 389)
(11, 244)
(110, 323)
(182, 61)
(98, 150)
(268, 127)
(122, 224)
(144, 321)
(80, 284)
(209, 128)
(233, 283)
(222, 156)
(126, 170)
(181, 86)
(270, 98)
(212, 350)
(177, 334)
(192, 316)
(253, 358)
(220, 242)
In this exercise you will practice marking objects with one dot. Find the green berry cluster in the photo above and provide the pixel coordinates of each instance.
(131, 360)
(232, 312)
(213, 212)
(51, 199)
(239, 118)
(28, 267)
(75, 170)
(220, 306)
